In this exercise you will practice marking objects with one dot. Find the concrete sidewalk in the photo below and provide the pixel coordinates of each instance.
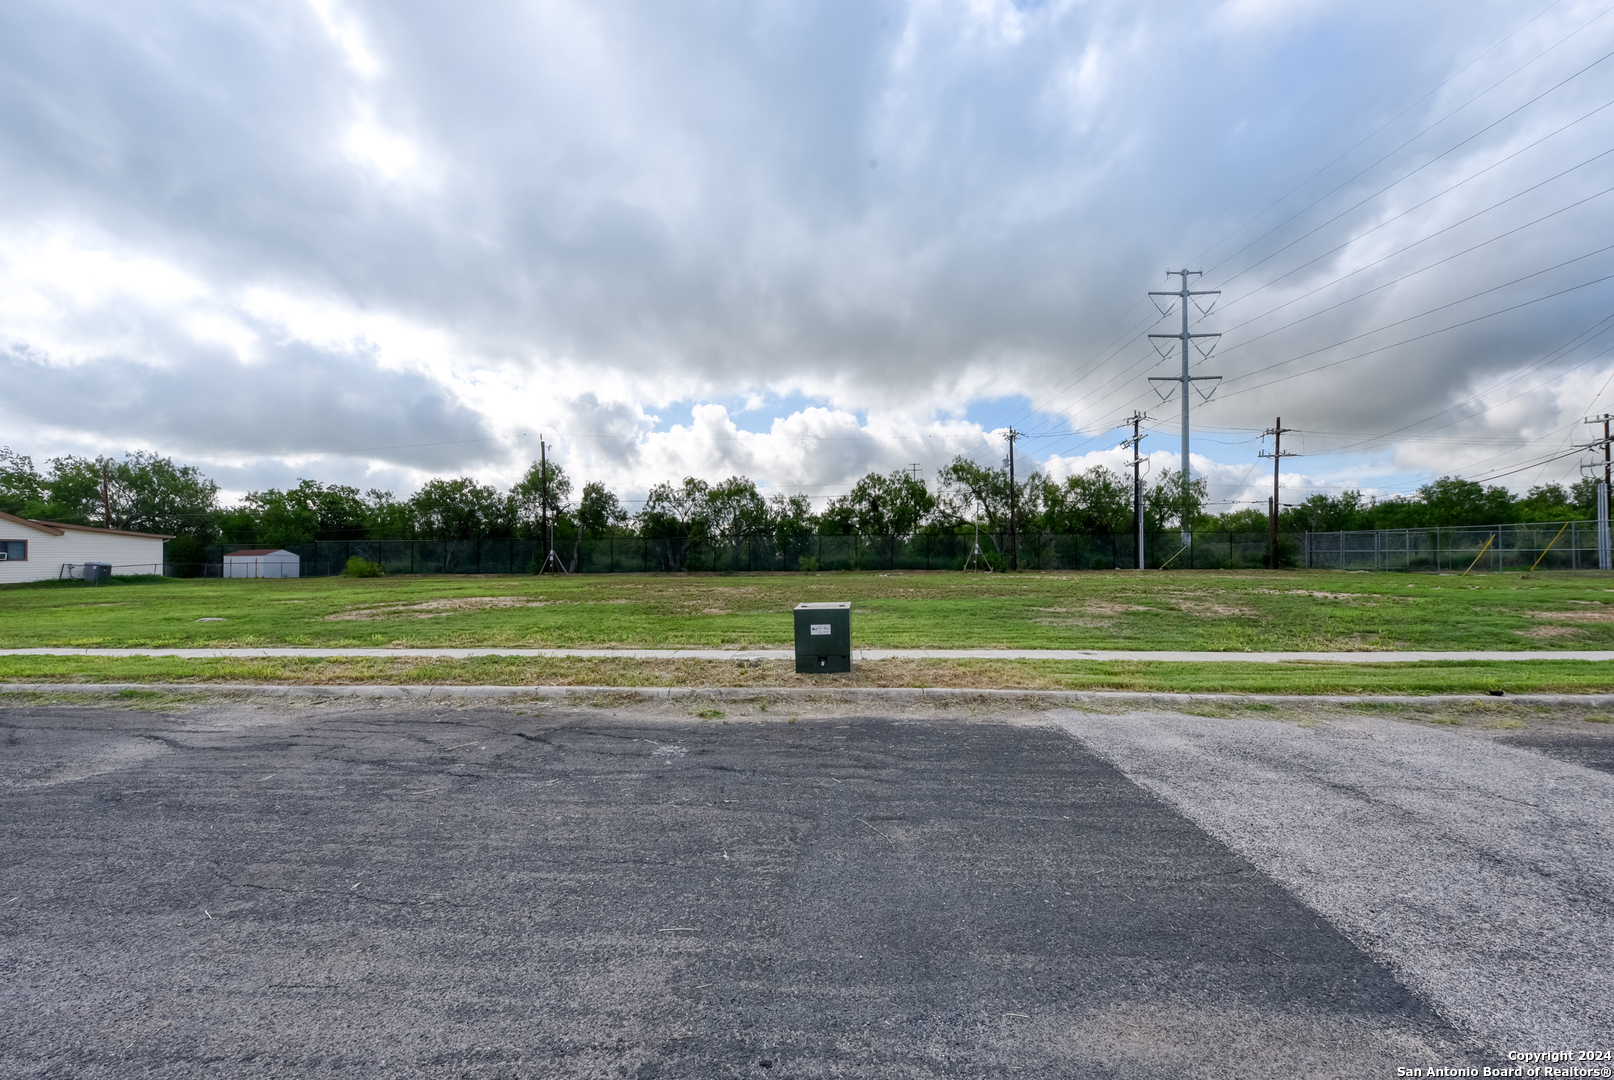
(859, 654)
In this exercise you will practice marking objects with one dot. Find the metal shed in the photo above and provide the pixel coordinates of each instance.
(263, 563)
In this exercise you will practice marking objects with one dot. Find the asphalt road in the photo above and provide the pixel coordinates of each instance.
(376, 890)
(1478, 865)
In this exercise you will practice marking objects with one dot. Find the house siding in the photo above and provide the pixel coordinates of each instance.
(47, 553)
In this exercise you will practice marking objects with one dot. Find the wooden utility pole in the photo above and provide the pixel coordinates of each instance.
(546, 540)
(106, 497)
(1014, 528)
(1277, 431)
(1605, 548)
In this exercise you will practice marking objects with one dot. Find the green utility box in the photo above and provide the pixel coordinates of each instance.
(823, 638)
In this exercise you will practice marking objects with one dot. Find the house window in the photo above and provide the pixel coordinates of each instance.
(14, 550)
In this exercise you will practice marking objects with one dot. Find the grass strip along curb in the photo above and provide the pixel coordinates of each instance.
(1295, 677)
(168, 692)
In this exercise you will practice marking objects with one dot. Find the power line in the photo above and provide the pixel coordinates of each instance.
(1506, 116)
(1417, 337)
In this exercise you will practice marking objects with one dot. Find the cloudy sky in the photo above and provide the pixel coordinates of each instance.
(801, 239)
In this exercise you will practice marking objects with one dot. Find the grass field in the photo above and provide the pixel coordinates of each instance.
(1196, 610)
(1192, 610)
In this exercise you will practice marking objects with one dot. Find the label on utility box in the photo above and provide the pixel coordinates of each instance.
(819, 629)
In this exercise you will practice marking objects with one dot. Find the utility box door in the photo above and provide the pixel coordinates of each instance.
(823, 638)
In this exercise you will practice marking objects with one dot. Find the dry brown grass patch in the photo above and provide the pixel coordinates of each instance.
(1605, 615)
(436, 609)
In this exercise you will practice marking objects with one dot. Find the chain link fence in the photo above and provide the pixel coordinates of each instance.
(1556, 545)
(1547, 546)
(633, 554)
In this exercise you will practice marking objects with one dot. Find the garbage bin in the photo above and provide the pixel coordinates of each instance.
(97, 572)
(823, 638)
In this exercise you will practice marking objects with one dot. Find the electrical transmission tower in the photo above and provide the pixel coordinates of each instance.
(1605, 558)
(1136, 420)
(1277, 431)
(1183, 338)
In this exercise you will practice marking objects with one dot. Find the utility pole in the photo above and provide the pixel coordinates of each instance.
(106, 498)
(1014, 533)
(1277, 431)
(1605, 558)
(1136, 420)
(546, 538)
(1184, 338)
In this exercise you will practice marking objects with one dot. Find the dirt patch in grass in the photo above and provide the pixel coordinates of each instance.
(436, 609)
(1207, 609)
(1098, 607)
(1605, 615)
(1543, 632)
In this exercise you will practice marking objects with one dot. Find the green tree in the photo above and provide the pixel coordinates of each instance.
(142, 493)
(1245, 520)
(22, 489)
(675, 511)
(530, 499)
(386, 518)
(735, 508)
(1163, 501)
(1545, 502)
(790, 519)
(457, 509)
(895, 505)
(301, 515)
(966, 485)
(1327, 513)
(1450, 501)
(1583, 497)
(599, 510)
(280, 519)
(1098, 500)
(599, 513)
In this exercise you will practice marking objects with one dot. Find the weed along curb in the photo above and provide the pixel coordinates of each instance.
(872, 695)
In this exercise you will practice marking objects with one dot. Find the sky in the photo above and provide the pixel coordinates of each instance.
(799, 240)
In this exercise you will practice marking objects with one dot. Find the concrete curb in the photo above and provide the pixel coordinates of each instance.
(731, 693)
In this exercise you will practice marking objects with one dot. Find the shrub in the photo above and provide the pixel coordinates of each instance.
(357, 567)
(808, 564)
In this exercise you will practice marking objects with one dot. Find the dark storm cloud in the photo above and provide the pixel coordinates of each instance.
(435, 224)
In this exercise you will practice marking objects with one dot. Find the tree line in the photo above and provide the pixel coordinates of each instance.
(150, 493)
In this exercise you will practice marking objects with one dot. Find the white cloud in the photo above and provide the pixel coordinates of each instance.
(348, 35)
(460, 227)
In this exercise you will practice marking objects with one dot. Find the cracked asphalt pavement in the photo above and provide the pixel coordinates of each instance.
(368, 889)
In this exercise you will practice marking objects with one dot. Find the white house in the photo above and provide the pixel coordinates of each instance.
(37, 550)
(263, 562)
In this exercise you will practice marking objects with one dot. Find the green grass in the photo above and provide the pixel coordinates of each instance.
(1237, 611)
(1454, 677)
